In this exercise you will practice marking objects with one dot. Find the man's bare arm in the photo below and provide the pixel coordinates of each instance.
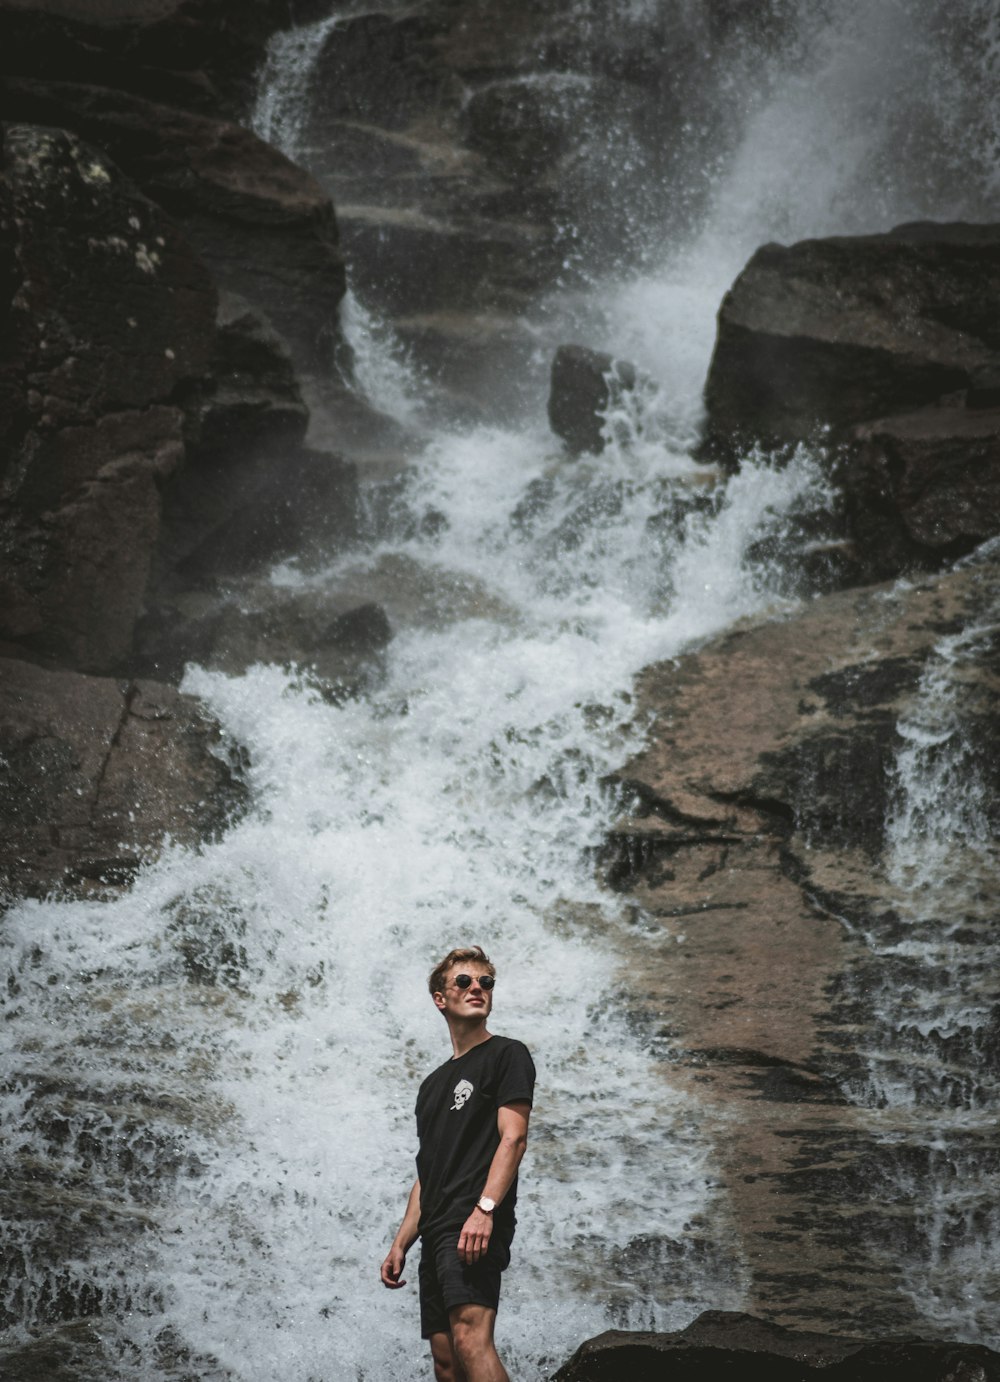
(512, 1124)
(392, 1267)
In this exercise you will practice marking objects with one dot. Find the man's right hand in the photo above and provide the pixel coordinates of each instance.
(392, 1268)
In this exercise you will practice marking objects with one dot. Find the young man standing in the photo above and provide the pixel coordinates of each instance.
(472, 1127)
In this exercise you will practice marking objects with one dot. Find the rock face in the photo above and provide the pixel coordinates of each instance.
(111, 316)
(264, 227)
(732, 1346)
(764, 856)
(336, 642)
(96, 771)
(826, 334)
(480, 156)
(250, 491)
(584, 385)
(923, 487)
(193, 51)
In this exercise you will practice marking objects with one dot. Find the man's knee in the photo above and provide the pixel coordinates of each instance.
(471, 1331)
(446, 1365)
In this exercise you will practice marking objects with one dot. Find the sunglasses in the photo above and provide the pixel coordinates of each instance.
(465, 981)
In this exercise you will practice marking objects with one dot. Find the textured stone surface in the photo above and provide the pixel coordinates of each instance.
(829, 333)
(249, 491)
(111, 319)
(755, 855)
(193, 51)
(265, 228)
(337, 641)
(727, 1346)
(95, 773)
(923, 486)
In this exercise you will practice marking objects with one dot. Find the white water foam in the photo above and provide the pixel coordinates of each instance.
(282, 106)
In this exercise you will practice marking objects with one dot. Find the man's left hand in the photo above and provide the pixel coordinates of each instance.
(475, 1237)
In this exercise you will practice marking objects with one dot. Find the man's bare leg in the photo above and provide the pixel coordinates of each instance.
(447, 1368)
(472, 1342)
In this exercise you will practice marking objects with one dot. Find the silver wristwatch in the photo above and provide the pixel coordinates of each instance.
(486, 1204)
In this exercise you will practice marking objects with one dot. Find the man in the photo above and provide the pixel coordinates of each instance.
(472, 1127)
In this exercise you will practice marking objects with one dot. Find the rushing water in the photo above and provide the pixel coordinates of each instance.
(213, 1075)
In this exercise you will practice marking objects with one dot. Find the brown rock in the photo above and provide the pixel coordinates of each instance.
(923, 487)
(263, 225)
(338, 641)
(112, 315)
(78, 579)
(729, 1347)
(95, 774)
(194, 52)
(755, 856)
(828, 333)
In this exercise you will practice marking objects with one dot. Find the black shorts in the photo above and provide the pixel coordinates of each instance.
(446, 1282)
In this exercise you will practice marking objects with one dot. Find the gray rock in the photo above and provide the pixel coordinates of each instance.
(249, 491)
(338, 641)
(264, 226)
(191, 52)
(584, 384)
(923, 487)
(111, 318)
(819, 336)
(95, 772)
(729, 1346)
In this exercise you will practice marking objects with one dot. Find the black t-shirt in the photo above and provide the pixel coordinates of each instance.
(457, 1127)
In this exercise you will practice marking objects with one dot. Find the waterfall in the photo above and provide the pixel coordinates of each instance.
(931, 1067)
(282, 104)
(212, 1075)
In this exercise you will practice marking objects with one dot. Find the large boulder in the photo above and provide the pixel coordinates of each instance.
(797, 771)
(110, 320)
(923, 487)
(193, 52)
(265, 228)
(727, 1347)
(96, 772)
(817, 337)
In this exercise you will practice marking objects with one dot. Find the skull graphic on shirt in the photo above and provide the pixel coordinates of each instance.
(462, 1091)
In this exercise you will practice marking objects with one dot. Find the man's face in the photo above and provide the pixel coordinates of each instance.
(473, 1001)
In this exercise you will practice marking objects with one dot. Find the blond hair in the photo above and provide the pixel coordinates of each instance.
(470, 954)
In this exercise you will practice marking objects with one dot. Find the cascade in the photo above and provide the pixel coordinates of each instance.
(281, 107)
(213, 1074)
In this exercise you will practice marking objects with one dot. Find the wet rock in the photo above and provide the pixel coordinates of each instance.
(253, 399)
(819, 336)
(97, 772)
(338, 641)
(237, 513)
(585, 384)
(722, 1345)
(249, 492)
(195, 52)
(923, 487)
(533, 139)
(756, 854)
(110, 322)
(264, 226)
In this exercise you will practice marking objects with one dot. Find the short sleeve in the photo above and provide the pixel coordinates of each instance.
(515, 1075)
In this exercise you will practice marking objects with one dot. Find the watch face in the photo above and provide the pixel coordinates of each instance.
(486, 1204)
